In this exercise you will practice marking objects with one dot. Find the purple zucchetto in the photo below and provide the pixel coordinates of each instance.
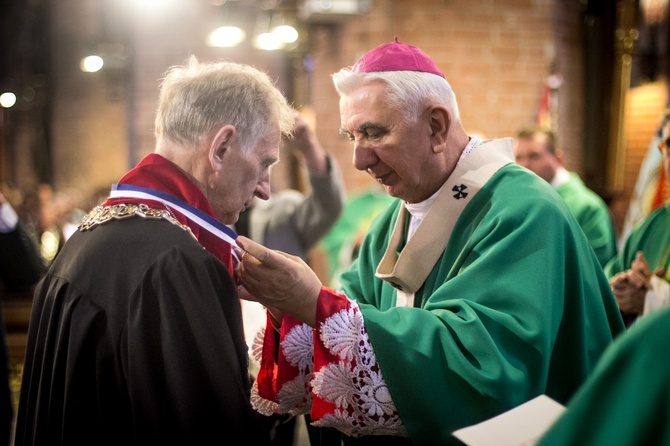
(396, 56)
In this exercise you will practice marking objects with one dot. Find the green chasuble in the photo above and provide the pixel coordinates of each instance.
(516, 306)
(626, 402)
(593, 216)
(652, 237)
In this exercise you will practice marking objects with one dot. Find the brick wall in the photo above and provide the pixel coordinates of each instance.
(496, 56)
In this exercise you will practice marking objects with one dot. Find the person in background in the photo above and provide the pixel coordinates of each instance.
(290, 220)
(49, 216)
(652, 189)
(21, 268)
(625, 401)
(536, 149)
(21, 265)
(136, 332)
(639, 274)
(343, 241)
(294, 222)
(474, 292)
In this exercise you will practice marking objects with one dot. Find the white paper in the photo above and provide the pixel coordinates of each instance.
(521, 426)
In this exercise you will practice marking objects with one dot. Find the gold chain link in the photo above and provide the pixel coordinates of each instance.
(102, 214)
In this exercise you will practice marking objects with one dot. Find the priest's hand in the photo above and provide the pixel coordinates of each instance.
(641, 271)
(630, 287)
(629, 297)
(278, 280)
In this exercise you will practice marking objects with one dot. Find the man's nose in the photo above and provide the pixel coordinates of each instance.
(263, 190)
(364, 156)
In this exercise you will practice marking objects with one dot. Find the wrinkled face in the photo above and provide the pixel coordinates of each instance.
(243, 177)
(397, 154)
(534, 155)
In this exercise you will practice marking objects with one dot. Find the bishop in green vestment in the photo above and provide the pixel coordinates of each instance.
(473, 292)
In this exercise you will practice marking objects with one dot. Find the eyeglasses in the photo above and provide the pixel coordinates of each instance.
(663, 146)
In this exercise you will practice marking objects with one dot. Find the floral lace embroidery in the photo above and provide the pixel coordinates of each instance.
(260, 404)
(295, 396)
(363, 404)
(354, 384)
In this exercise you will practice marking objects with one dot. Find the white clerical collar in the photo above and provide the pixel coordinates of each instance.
(474, 142)
(418, 210)
(562, 176)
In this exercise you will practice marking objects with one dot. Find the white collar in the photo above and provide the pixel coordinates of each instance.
(562, 176)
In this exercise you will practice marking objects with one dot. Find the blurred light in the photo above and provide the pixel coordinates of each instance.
(269, 41)
(286, 33)
(91, 64)
(152, 5)
(226, 36)
(7, 99)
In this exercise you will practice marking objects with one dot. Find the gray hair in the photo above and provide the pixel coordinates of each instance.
(197, 97)
(408, 91)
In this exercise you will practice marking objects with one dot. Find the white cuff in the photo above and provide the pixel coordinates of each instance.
(658, 295)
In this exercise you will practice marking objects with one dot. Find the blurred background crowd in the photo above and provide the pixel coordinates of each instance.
(78, 93)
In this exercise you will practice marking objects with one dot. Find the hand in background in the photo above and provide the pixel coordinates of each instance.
(630, 286)
(307, 144)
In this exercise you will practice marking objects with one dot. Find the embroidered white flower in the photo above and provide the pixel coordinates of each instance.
(335, 383)
(295, 396)
(379, 402)
(341, 331)
(298, 347)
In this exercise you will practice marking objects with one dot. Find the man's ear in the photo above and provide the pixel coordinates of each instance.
(440, 122)
(221, 143)
(559, 155)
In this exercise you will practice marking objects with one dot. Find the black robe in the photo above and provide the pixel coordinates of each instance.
(136, 337)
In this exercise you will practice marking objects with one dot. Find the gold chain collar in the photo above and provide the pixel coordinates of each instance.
(102, 214)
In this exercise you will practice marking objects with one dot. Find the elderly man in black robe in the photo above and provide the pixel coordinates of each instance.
(136, 330)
